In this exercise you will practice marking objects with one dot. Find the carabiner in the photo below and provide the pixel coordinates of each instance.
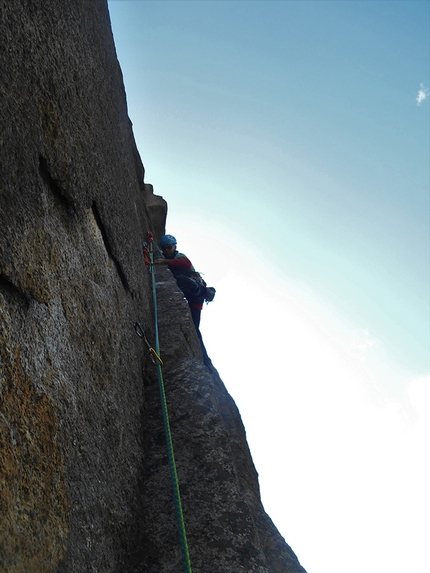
(152, 353)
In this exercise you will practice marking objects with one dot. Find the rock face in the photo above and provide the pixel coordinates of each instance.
(84, 481)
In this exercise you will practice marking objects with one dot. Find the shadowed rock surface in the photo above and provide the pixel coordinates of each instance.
(84, 481)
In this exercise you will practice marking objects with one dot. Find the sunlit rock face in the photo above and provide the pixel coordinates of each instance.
(84, 480)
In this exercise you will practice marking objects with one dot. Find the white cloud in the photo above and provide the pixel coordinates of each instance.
(423, 93)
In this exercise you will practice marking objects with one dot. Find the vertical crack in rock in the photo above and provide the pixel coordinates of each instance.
(54, 186)
(108, 248)
(7, 287)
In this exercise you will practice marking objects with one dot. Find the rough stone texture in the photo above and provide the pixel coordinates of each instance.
(84, 484)
(227, 528)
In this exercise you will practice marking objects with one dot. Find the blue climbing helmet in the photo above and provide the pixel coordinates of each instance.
(167, 240)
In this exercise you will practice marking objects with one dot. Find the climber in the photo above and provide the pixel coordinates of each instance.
(189, 281)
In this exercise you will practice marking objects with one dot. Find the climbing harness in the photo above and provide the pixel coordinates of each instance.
(155, 357)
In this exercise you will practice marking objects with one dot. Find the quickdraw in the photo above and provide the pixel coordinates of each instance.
(146, 255)
(141, 333)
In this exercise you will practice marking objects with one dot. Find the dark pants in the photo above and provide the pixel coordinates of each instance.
(196, 314)
(194, 292)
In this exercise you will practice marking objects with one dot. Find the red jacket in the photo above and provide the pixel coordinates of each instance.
(181, 265)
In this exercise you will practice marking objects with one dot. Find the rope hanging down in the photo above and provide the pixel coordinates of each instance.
(149, 261)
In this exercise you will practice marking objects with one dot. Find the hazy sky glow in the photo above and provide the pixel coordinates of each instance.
(291, 142)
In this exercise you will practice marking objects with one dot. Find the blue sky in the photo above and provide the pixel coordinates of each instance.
(291, 142)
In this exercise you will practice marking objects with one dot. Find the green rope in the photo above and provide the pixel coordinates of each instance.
(172, 465)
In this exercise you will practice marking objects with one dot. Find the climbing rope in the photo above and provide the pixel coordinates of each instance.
(155, 356)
